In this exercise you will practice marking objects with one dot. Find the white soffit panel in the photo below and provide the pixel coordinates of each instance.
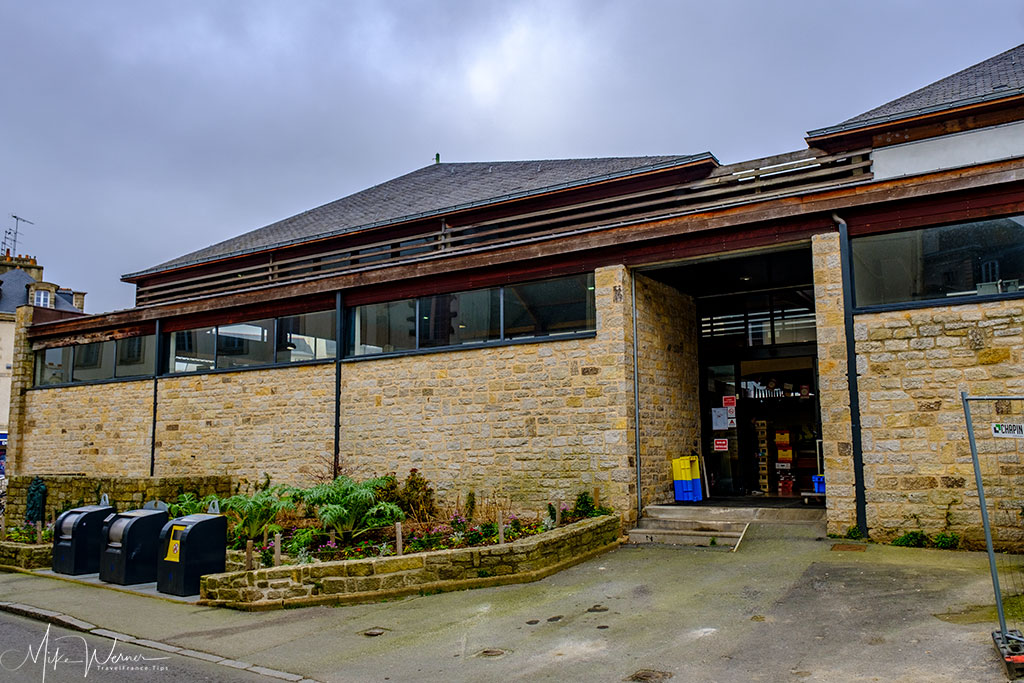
(949, 151)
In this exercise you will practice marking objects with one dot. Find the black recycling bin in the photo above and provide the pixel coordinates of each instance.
(78, 539)
(132, 540)
(189, 548)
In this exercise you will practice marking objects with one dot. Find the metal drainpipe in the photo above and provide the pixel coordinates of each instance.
(159, 353)
(851, 373)
(636, 402)
(339, 334)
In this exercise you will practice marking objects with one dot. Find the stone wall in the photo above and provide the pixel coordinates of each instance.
(833, 383)
(668, 380)
(524, 560)
(278, 421)
(912, 366)
(95, 429)
(529, 422)
(125, 493)
(25, 555)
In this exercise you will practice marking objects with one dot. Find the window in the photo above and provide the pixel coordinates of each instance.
(93, 362)
(245, 344)
(53, 366)
(42, 298)
(535, 309)
(460, 318)
(136, 356)
(192, 350)
(383, 328)
(559, 306)
(748, 320)
(965, 259)
(310, 336)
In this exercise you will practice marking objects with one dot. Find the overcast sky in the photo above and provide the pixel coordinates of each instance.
(133, 132)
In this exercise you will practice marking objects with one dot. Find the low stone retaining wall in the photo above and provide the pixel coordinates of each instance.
(524, 560)
(25, 555)
(64, 491)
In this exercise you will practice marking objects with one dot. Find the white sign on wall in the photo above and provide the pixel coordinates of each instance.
(1008, 431)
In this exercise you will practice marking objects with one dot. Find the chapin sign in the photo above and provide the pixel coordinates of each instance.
(1008, 431)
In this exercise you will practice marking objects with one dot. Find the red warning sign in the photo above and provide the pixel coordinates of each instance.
(721, 444)
(728, 401)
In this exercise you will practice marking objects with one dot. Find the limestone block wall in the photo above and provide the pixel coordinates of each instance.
(278, 421)
(523, 560)
(668, 381)
(96, 429)
(917, 464)
(124, 493)
(25, 555)
(833, 383)
(530, 422)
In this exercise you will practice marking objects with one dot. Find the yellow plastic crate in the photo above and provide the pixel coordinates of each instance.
(686, 468)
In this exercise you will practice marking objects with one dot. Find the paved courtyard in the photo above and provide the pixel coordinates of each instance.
(786, 606)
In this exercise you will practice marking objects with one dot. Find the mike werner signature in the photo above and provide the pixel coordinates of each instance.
(75, 652)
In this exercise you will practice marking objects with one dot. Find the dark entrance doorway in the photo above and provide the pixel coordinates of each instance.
(761, 423)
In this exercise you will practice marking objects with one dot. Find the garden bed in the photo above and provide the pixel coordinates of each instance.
(363, 580)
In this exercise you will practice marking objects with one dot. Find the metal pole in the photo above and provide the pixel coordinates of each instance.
(984, 516)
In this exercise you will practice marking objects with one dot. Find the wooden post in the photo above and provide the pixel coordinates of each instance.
(330, 536)
(39, 532)
(248, 555)
(277, 550)
(3, 528)
(398, 538)
(501, 532)
(558, 513)
(597, 497)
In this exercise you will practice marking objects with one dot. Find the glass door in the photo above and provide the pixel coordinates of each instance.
(721, 447)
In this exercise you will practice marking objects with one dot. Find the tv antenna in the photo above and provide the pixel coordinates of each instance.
(10, 243)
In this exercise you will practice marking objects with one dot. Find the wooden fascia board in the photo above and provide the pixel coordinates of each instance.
(824, 202)
(699, 165)
(855, 138)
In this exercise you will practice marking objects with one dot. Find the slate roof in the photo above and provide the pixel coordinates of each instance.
(432, 190)
(14, 292)
(995, 78)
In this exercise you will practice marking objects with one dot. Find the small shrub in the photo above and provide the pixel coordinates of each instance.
(946, 541)
(300, 541)
(912, 539)
(854, 533)
(417, 497)
(584, 506)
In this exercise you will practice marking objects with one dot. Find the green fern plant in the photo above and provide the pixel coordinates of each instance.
(351, 508)
(255, 514)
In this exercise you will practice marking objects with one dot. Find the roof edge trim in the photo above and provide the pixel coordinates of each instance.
(830, 131)
(680, 161)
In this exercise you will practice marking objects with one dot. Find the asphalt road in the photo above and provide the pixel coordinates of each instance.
(34, 652)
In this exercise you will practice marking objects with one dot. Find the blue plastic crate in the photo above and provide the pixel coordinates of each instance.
(819, 483)
(688, 490)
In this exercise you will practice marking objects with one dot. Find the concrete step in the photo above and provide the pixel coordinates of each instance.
(696, 526)
(726, 540)
(708, 513)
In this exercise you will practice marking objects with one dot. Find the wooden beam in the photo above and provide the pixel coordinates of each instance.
(997, 178)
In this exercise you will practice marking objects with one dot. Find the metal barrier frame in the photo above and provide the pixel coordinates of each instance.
(966, 400)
